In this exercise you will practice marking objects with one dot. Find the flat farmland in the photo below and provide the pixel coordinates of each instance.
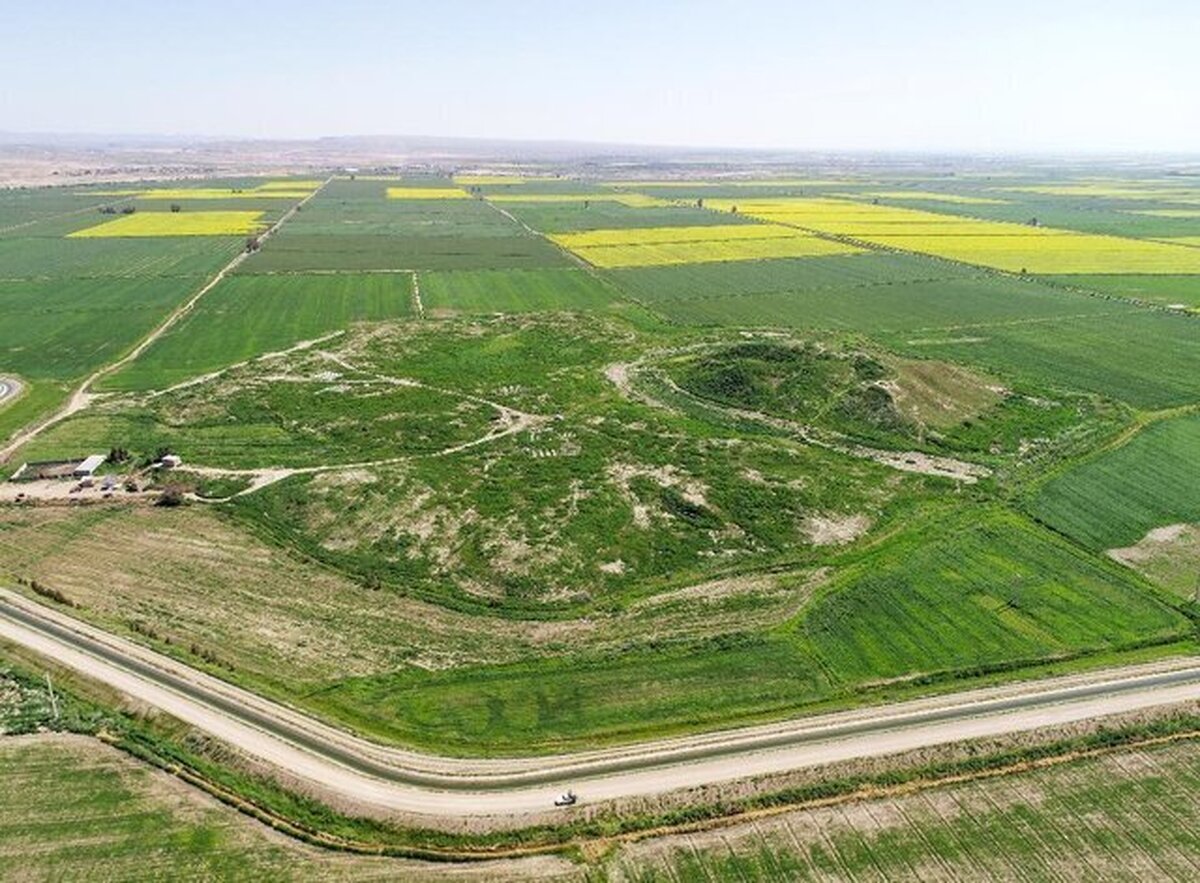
(423, 193)
(1117, 497)
(1178, 292)
(353, 226)
(144, 224)
(1148, 359)
(986, 589)
(57, 257)
(656, 246)
(513, 291)
(834, 274)
(527, 505)
(60, 328)
(302, 253)
(1015, 248)
(21, 209)
(269, 313)
(941, 303)
(288, 190)
(597, 214)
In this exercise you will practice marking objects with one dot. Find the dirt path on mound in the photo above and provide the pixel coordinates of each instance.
(510, 421)
(622, 375)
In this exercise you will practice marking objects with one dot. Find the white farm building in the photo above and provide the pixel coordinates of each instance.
(89, 466)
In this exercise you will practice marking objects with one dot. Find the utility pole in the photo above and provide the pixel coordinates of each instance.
(53, 700)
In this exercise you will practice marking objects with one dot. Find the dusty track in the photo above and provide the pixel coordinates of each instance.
(378, 780)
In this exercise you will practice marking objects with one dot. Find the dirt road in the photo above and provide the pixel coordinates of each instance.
(380, 780)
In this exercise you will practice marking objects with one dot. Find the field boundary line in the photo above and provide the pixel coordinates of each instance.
(82, 397)
(580, 263)
(418, 306)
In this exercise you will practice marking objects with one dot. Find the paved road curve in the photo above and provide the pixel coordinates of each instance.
(380, 780)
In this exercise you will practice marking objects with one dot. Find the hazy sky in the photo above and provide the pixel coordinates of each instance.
(925, 74)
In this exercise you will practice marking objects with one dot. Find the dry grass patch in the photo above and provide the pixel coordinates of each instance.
(941, 394)
(1169, 556)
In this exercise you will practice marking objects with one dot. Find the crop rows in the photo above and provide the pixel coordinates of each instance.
(658, 246)
(1012, 247)
(145, 224)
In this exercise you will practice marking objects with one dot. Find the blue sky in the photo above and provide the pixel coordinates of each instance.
(1055, 75)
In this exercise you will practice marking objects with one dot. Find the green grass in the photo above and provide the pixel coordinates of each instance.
(1115, 498)
(513, 291)
(79, 810)
(61, 329)
(61, 258)
(36, 400)
(951, 595)
(1165, 290)
(1146, 358)
(300, 252)
(359, 208)
(23, 205)
(832, 275)
(902, 306)
(310, 421)
(602, 215)
(351, 226)
(247, 316)
(979, 589)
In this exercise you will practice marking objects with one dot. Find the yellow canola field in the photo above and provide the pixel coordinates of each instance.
(661, 246)
(1003, 246)
(666, 253)
(653, 235)
(427, 193)
(176, 224)
(1051, 254)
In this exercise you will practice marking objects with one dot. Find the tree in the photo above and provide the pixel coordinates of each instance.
(176, 208)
